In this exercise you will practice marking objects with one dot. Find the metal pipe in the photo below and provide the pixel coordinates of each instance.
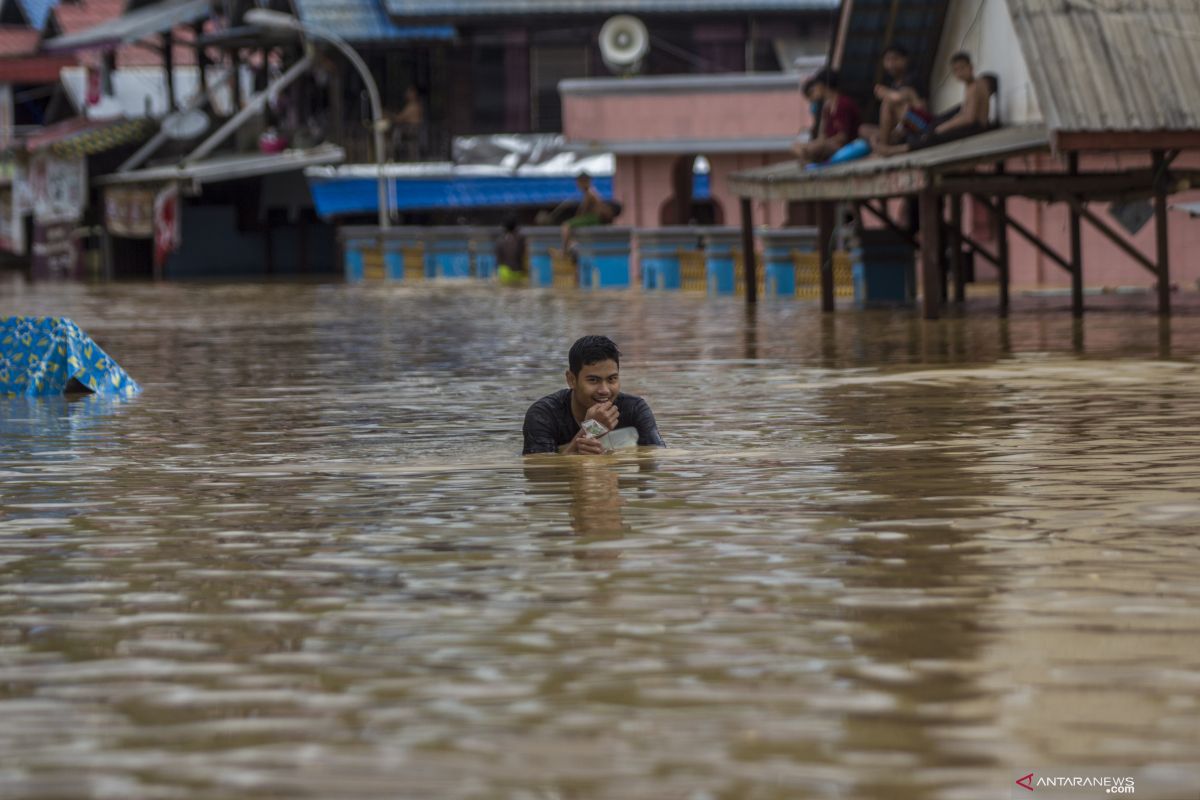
(251, 108)
(278, 19)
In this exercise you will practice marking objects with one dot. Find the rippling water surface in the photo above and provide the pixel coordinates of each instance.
(881, 558)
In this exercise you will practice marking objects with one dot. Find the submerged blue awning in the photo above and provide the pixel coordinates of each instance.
(334, 196)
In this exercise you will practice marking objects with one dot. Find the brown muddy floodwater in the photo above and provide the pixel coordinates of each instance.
(881, 558)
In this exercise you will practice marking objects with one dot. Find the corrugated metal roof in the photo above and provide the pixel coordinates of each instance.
(877, 177)
(412, 9)
(1113, 65)
(365, 21)
(16, 42)
(232, 167)
(133, 25)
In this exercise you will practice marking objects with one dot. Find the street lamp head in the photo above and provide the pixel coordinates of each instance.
(266, 18)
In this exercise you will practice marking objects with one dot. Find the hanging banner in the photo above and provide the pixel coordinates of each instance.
(12, 223)
(166, 225)
(59, 188)
(7, 116)
(56, 252)
(129, 212)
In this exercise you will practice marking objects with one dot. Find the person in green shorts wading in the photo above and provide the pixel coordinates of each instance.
(510, 255)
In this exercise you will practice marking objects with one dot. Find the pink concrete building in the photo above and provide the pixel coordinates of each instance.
(673, 134)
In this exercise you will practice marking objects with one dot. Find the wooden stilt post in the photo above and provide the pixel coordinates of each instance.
(956, 248)
(825, 249)
(931, 251)
(235, 57)
(168, 45)
(201, 56)
(1076, 246)
(1160, 233)
(1002, 255)
(749, 262)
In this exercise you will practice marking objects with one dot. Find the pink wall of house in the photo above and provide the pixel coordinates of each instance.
(687, 116)
(737, 121)
(642, 184)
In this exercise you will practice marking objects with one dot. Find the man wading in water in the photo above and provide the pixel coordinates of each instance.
(594, 392)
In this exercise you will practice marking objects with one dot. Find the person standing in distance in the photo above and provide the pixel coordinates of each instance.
(552, 424)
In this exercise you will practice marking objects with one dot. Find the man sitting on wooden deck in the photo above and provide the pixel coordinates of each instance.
(970, 117)
(840, 118)
(903, 108)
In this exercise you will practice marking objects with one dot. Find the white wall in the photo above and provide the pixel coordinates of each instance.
(984, 28)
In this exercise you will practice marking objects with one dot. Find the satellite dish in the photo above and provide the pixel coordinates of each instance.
(184, 125)
(624, 42)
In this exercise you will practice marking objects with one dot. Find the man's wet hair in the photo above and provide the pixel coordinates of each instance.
(827, 77)
(961, 55)
(592, 350)
(898, 49)
(992, 81)
(583, 176)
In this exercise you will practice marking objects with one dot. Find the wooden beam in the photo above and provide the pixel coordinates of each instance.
(1113, 236)
(749, 262)
(979, 250)
(1160, 236)
(1076, 246)
(1048, 184)
(1129, 140)
(890, 224)
(1029, 235)
(931, 279)
(825, 248)
(201, 56)
(1003, 263)
(168, 40)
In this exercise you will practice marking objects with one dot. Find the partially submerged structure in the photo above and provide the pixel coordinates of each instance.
(42, 356)
(1101, 103)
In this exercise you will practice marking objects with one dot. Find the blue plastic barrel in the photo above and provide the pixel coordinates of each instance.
(779, 247)
(721, 247)
(448, 252)
(604, 253)
(538, 243)
(658, 254)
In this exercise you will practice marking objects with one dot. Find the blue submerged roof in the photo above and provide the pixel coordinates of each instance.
(334, 196)
(365, 21)
(473, 8)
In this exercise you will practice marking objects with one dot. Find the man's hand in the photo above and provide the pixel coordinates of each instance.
(605, 413)
(584, 445)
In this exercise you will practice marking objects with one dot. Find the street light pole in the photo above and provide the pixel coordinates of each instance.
(277, 19)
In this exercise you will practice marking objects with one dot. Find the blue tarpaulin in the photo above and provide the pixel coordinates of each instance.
(51, 355)
(357, 195)
(365, 21)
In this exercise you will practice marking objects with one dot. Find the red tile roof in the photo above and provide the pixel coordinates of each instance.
(76, 17)
(40, 69)
(17, 40)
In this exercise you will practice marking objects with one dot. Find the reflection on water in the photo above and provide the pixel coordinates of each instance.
(883, 558)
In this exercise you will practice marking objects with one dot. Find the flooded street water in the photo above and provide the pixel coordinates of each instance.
(880, 557)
